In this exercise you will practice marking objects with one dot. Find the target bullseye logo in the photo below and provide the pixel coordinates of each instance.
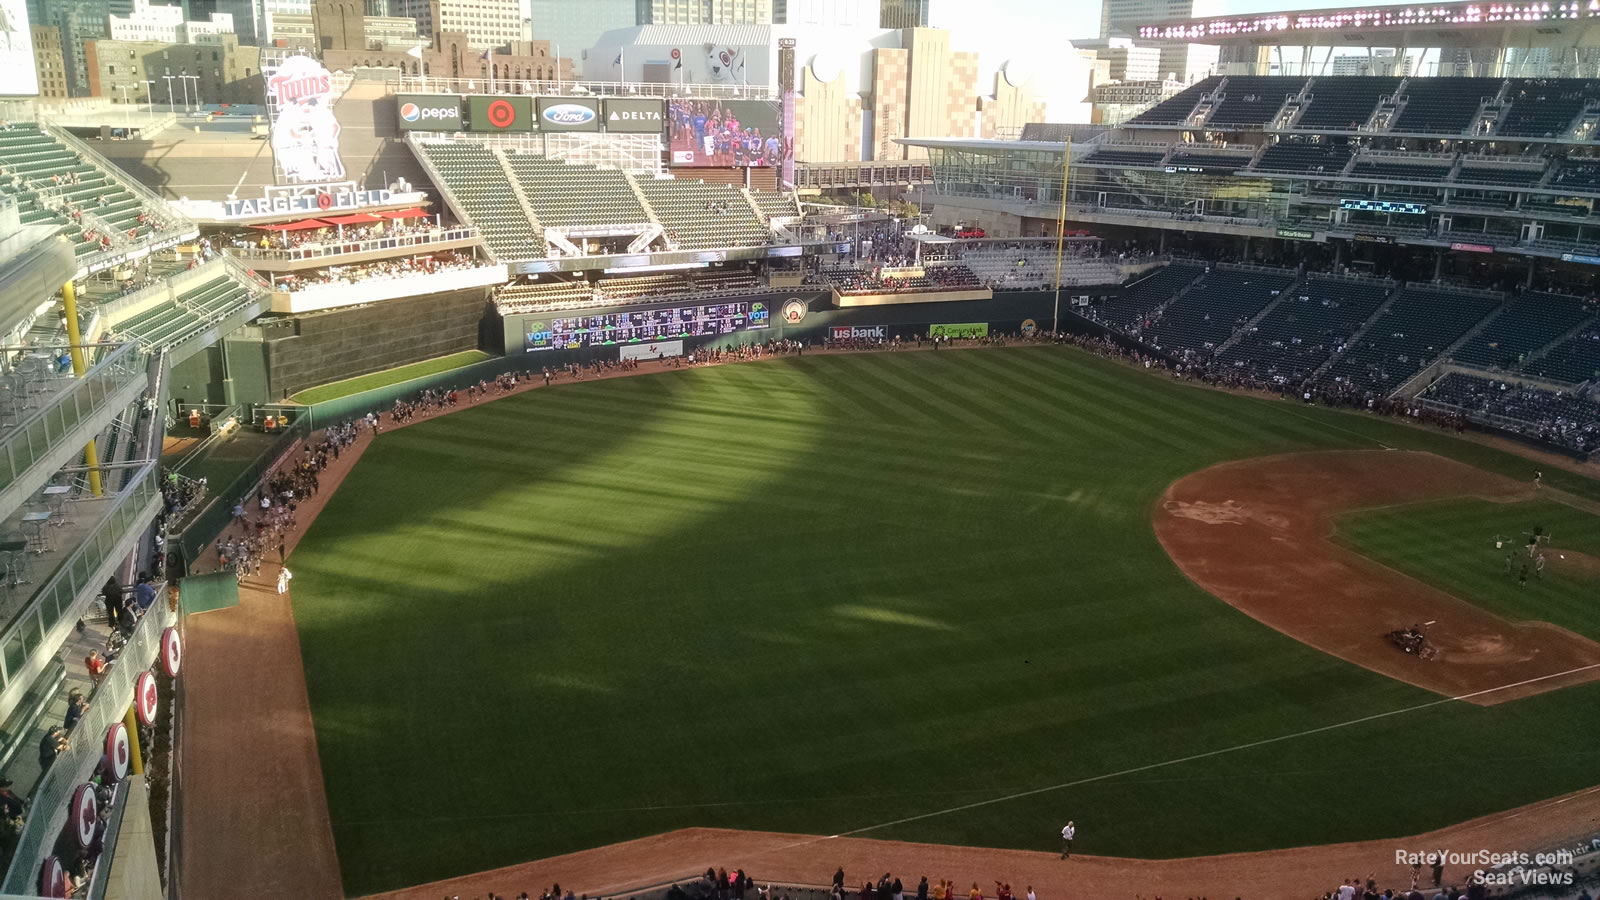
(146, 698)
(502, 114)
(324, 201)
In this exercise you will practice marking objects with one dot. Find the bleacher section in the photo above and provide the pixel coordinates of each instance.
(1138, 300)
(1208, 315)
(473, 174)
(1443, 105)
(1304, 331)
(1567, 419)
(195, 310)
(1403, 169)
(28, 160)
(1251, 101)
(1420, 325)
(771, 204)
(1226, 162)
(1300, 157)
(1543, 107)
(1117, 157)
(1344, 104)
(1175, 109)
(1529, 323)
(1573, 361)
(565, 195)
(726, 281)
(547, 297)
(1499, 176)
(1578, 175)
(1033, 267)
(699, 216)
(632, 287)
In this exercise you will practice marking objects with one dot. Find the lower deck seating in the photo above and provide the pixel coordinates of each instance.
(172, 323)
(1529, 323)
(1411, 333)
(1304, 331)
(1574, 360)
(1563, 418)
(1223, 301)
(1138, 300)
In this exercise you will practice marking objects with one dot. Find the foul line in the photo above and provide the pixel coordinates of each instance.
(1209, 753)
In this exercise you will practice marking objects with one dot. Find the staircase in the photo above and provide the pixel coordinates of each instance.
(1247, 327)
(650, 210)
(1389, 108)
(1360, 333)
(1573, 332)
(522, 197)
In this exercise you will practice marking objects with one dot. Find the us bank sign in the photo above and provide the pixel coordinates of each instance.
(309, 202)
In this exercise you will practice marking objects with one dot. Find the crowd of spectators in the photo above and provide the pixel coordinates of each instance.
(329, 235)
(1557, 417)
(382, 270)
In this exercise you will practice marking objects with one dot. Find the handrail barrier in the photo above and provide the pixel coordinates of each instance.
(340, 248)
(41, 431)
(49, 804)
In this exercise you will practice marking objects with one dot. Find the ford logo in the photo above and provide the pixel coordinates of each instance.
(410, 112)
(568, 114)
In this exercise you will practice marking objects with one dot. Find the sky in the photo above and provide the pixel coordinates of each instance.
(1081, 18)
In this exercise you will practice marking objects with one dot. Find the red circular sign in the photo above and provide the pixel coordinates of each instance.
(324, 201)
(118, 753)
(85, 811)
(676, 53)
(171, 651)
(53, 879)
(502, 114)
(145, 698)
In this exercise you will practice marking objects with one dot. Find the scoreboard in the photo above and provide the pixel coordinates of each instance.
(633, 327)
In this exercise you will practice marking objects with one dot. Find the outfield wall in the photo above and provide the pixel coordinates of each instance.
(810, 316)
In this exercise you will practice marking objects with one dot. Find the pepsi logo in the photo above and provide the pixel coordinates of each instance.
(410, 112)
(568, 114)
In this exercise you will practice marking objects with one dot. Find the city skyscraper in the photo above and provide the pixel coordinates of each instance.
(704, 12)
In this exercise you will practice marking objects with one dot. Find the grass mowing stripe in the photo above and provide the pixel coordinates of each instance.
(711, 598)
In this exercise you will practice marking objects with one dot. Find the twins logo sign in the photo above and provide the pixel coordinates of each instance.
(305, 135)
(793, 311)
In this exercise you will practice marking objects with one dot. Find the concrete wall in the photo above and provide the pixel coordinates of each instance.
(305, 351)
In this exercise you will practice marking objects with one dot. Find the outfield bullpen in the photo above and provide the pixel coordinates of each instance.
(819, 595)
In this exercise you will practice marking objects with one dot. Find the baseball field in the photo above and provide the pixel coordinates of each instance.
(914, 596)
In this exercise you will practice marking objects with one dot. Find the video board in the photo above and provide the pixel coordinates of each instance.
(611, 329)
(18, 76)
(714, 132)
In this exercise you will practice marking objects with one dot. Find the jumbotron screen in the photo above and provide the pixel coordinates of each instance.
(646, 325)
(711, 132)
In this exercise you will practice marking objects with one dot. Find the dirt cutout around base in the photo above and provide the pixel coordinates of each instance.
(1257, 534)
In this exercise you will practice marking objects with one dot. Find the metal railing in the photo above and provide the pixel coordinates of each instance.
(88, 398)
(48, 805)
(176, 221)
(340, 248)
(430, 84)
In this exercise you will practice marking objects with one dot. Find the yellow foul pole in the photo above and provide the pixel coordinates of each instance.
(135, 754)
(69, 299)
(1061, 232)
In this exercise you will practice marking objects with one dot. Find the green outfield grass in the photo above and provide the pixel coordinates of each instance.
(356, 385)
(823, 594)
(1451, 544)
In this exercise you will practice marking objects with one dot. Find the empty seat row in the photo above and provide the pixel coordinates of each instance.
(1344, 103)
(1531, 321)
(1419, 326)
(1306, 329)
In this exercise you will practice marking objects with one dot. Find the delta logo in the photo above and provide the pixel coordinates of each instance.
(568, 114)
(643, 115)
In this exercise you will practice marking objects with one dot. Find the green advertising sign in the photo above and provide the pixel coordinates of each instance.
(962, 330)
(1296, 234)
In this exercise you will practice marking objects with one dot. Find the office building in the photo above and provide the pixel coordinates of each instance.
(704, 12)
(166, 24)
(1180, 61)
(48, 63)
(486, 23)
(161, 72)
(903, 14)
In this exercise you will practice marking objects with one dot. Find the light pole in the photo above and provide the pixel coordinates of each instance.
(126, 125)
(150, 100)
(185, 80)
(171, 107)
(196, 90)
